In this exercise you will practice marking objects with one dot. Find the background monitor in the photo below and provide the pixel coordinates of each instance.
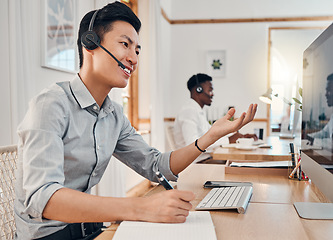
(317, 122)
(296, 113)
(295, 125)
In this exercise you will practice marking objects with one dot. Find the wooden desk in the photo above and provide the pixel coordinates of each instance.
(280, 151)
(270, 214)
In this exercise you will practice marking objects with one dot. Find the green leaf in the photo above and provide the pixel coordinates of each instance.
(300, 90)
(297, 101)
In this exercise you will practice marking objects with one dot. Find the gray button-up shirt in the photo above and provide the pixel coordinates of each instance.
(66, 140)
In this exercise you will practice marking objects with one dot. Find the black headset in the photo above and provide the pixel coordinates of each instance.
(89, 37)
(199, 89)
(90, 40)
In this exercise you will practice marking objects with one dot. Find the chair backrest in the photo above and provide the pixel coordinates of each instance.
(8, 157)
(170, 137)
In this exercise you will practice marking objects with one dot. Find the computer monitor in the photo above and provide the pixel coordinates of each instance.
(296, 113)
(295, 126)
(317, 123)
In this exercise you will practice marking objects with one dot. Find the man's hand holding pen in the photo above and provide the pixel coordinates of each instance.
(168, 206)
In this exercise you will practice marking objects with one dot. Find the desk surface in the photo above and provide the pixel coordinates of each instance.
(280, 151)
(270, 214)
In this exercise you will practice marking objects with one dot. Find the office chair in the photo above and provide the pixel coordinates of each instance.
(170, 137)
(8, 157)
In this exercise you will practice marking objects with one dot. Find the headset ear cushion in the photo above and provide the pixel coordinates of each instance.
(199, 89)
(87, 43)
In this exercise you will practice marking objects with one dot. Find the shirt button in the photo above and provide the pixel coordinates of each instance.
(94, 174)
(95, 107)
(97, 147)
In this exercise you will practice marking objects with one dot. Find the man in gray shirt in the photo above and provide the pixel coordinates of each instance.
(72, 129)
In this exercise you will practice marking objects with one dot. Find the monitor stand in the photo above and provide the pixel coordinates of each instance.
(312, 210)
(287, 136)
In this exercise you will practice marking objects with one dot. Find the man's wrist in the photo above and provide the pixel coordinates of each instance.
(196, 144)
(135, 209)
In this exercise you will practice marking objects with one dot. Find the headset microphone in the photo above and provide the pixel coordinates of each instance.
(99, 45)
(91, 41)
(208, 95)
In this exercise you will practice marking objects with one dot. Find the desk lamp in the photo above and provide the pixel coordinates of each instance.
(267, 97)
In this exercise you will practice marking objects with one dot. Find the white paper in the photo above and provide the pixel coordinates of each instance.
(262, 164)
(198, 226)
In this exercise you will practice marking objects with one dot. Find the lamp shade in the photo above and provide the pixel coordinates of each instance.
(267, 96)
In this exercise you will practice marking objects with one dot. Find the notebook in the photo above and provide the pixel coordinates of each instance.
(198, 226)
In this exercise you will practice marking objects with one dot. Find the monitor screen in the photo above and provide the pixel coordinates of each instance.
(317, 112)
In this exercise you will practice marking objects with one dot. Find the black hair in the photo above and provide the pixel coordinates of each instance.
(197, 78)
(103, 22)
(330, 77)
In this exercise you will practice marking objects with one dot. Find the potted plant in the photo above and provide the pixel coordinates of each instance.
(300, 91)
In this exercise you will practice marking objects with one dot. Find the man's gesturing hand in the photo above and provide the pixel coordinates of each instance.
(223, 126)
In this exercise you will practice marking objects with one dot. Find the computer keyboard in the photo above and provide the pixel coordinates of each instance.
(227, 198)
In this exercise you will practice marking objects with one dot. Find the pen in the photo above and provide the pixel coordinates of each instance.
(300, 170)
(300, 173)
(163, 181)
(293, 158)
(298, 164)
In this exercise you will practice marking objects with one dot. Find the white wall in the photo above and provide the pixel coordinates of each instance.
(246, 63)
(5, 119)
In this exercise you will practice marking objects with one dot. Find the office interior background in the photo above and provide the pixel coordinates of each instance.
(262, 42)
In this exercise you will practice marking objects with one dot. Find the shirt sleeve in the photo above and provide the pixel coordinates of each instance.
(132, 150)
(189, 121)
(326, 132)
(41, 153)
(190, 125)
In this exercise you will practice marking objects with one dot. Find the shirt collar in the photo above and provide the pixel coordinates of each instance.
(195, 104)
(84, 98)
(107, 105)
